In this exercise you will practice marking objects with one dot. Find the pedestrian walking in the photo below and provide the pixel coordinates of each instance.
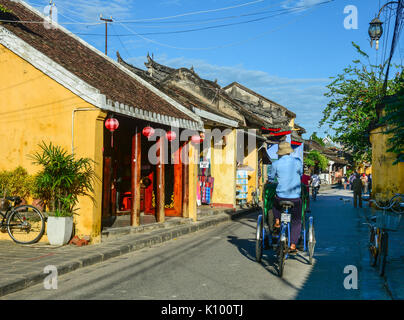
(344, 181)
(351, 179)
(357, 189)
(364, 180)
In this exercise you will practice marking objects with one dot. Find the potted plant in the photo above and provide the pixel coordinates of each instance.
(62, 180)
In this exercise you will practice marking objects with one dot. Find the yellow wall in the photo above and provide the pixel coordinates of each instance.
(223, 170)
(387, 178)
(36, 108)
(251, 160)
(193, 180)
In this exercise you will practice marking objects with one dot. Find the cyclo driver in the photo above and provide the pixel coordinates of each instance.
(288, 171)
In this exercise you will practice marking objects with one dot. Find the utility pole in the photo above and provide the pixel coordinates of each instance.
(106, 32)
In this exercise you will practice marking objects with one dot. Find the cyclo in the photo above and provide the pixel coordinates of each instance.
(280, 243)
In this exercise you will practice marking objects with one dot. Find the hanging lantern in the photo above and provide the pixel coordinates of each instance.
(112, 124)
(196, 139)
(171, 135)
(148, 132)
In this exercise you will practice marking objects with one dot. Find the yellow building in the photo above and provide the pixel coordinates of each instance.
(387, 179)
(57, 88)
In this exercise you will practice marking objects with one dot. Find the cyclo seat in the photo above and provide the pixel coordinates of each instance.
(285, 203)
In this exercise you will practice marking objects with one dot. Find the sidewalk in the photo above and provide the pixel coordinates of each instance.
(394, 273)
(23, 266)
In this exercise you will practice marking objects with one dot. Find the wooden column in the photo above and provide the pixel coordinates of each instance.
(185, 181)
(135, 178)
(160, 196)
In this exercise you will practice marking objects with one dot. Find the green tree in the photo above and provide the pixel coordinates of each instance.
(314, 137)
(315, 160)
(354, 95)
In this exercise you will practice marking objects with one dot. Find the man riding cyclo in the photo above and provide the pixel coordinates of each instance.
(285, 184)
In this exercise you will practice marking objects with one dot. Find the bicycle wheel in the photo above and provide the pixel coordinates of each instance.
(311, 240)
(383, 252)
(373, 248)
(258, 240)
(25, 224)
(398, 200)
(281, 257)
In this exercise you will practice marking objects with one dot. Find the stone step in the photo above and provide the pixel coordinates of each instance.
(110, 233)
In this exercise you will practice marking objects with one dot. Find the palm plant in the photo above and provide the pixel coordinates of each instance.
(63, 178)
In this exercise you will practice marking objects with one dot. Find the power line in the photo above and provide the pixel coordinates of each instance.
(225, 45)
(195, 12)
(210, 27)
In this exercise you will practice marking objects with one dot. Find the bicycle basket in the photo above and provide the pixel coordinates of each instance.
(388, 220)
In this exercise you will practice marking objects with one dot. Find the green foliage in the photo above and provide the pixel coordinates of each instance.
(314, 137)
(5, 10)
(394, 120)
(354, 95)
(16, 183)
(63, 178)
(316, 160)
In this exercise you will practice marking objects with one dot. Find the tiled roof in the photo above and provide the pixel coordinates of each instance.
(86, 63)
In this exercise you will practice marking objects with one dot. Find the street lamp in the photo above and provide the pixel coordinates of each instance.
(375, 26)
(375, 31)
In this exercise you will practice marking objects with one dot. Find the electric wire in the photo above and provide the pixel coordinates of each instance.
(224, 45)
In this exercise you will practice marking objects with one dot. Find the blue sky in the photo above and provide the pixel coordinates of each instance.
(287, 56)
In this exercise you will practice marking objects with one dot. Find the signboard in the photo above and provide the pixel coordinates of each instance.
(204, 164)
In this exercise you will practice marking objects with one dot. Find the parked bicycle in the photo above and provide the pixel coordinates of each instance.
(25, 224)
(380, 225)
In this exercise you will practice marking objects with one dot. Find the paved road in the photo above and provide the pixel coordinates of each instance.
(219, 263)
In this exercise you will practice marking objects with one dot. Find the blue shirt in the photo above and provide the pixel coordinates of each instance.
(288, 171)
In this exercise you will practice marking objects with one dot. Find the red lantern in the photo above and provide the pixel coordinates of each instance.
(148, 132)
(196, 139)
(171, 135)
(112, 124)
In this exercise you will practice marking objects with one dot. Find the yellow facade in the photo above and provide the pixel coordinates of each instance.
(387, 178)
(251, 160)
(223, 169)
(36, 108)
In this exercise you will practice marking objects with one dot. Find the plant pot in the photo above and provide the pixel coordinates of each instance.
(59, 230)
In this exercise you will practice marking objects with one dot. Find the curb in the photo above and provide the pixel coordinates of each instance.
(105, 251)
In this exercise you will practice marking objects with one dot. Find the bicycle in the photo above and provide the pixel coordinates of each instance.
(25, 224)
(314, 192)
(381, 224)
(308, 237)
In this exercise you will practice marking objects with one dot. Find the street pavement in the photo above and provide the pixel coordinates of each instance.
(219, 264)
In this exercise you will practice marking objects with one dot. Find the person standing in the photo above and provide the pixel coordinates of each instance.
(344, 181)
(357, 188)
(364, 180)
(306, 178)
(369, 183)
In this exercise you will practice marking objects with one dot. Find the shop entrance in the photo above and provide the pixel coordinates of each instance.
(117, 177)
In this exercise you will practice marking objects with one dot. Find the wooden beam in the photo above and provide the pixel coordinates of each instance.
(160, 196)
(136, 161)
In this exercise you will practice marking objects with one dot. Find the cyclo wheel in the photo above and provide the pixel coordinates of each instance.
(373, 250)
(311, 240)
(383, 252)
(25, 224)
(281, 257)
(258, 240)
